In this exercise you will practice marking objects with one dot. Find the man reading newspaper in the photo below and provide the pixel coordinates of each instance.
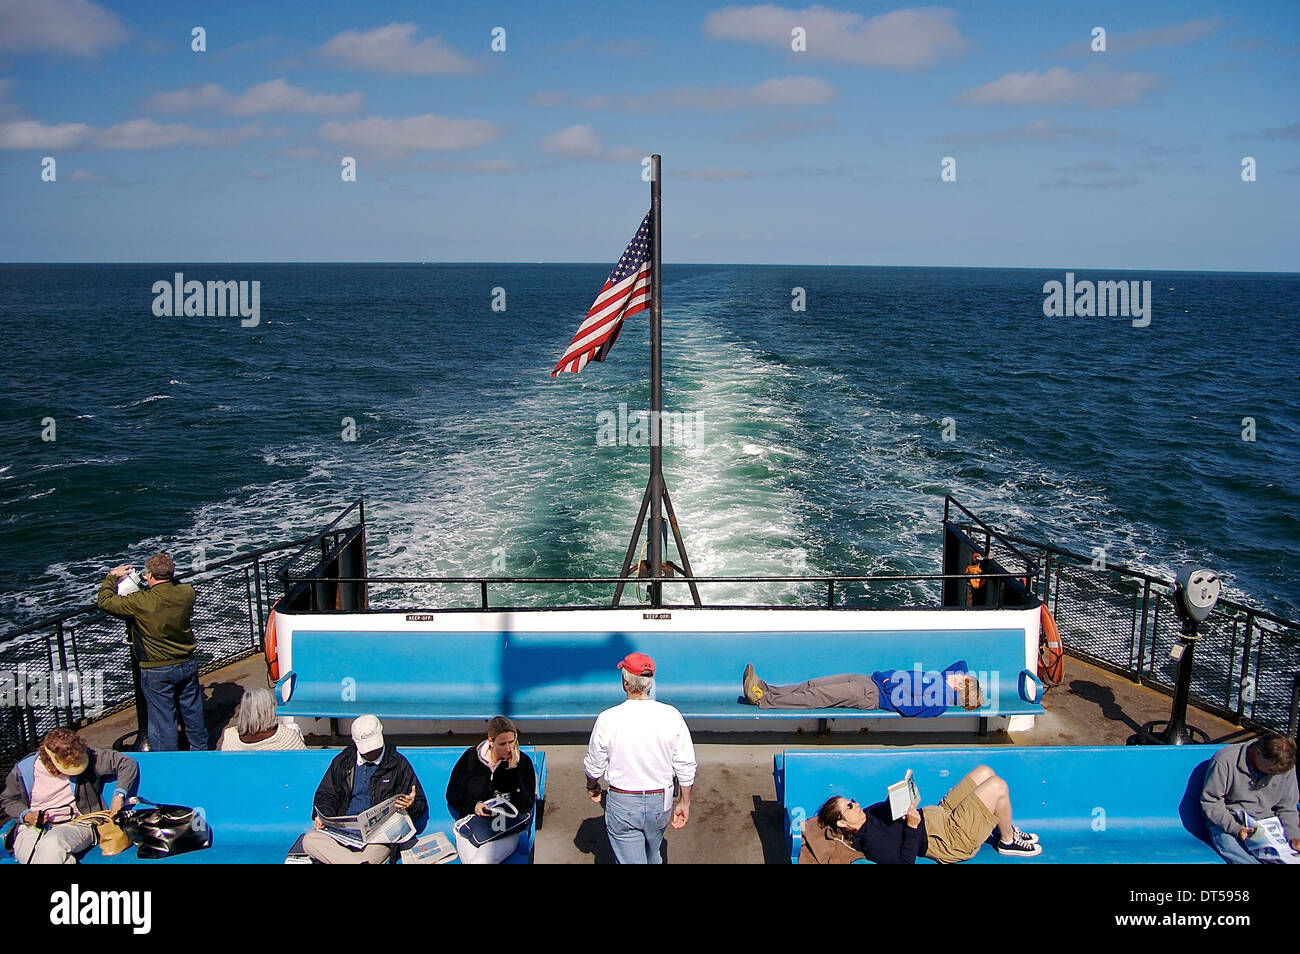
(1247, 782)
(368, 796)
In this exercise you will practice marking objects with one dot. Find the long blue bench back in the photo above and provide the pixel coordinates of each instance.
(258, 803)
(565, 675)
(1088, 804)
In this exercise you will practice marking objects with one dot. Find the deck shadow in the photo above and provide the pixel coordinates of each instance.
(592, 839)
(769, 823)
(1104, 698)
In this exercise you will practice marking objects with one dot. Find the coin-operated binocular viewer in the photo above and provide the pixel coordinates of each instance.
(1196, 591)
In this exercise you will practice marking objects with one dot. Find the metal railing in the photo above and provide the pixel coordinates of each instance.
(1115, 617)
(73, 668)
(1123, 620)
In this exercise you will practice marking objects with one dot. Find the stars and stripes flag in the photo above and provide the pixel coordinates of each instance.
(626, 292)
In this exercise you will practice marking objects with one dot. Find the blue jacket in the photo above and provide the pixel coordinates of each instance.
(911, 692)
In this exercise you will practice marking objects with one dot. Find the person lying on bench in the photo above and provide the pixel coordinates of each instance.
(909, 692)
(949, 832)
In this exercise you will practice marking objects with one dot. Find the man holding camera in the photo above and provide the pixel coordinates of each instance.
(164, 644)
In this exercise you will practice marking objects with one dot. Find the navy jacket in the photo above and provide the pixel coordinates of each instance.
(889, 842)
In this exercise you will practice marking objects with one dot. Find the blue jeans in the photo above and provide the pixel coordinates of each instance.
(165, 685)
(1230, 847)
(636, 825)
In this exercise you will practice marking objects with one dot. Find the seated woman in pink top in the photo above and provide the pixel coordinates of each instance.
(46, 792)
(257, 729)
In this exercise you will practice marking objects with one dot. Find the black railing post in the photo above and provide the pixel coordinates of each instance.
(257, 596)
(483, 600)
(63, 675)
(1293, 720)
(830, 594)
(1142, 635)
(1245, 668)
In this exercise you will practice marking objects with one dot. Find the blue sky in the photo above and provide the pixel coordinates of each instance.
(1065, 157)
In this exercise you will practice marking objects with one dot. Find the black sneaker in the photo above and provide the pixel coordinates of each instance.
(1028, 836)
(1019, 846)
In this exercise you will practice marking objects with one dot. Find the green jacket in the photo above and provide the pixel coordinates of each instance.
(161, 614)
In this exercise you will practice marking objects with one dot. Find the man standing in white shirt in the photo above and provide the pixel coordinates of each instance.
(639, 747)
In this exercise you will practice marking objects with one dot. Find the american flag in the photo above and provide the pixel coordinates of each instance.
(626, 292)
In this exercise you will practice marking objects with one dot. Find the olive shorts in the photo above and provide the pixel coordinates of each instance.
(958, 825)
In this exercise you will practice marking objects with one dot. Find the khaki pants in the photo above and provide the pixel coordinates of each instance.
(326, 850)
(845, 691)
(58, 846)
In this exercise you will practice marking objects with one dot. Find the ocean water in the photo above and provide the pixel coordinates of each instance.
(817, 439)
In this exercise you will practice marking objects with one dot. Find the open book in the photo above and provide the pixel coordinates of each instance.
(902, 796)
(1269, 842)
(382, 824)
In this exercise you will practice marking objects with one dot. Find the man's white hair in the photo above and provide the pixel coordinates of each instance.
(642, 685)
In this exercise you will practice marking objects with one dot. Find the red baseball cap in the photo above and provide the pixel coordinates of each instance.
(638, 664)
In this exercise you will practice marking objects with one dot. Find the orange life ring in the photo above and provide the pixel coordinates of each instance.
(1051, 654)
(269, 648)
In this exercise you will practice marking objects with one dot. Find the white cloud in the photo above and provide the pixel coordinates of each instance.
(626, 154)
(299, 153)
(1178, 34)
(792, 91)
(273, 96)
(1041, 130)
(1095, 87)
(393, 49)
(475, 165)
(580, 140)
(30, 134)
(396, 137)
(62, 26)
(901, 39)
(147, 134)
(713, 174)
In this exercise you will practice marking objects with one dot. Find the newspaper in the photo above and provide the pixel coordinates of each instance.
(382, 824)
(435, 849)
(1268, 842)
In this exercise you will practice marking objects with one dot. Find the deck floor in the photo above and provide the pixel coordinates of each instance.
(735, 816)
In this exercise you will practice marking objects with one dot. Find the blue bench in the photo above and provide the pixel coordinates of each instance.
(571, 675)
(258, 803)
(1109, 804)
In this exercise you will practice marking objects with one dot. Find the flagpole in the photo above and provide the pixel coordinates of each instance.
(656, 384)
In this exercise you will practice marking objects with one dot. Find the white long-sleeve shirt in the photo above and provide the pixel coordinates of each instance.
(640, 746)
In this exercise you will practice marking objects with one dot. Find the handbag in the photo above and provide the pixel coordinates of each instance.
(504, 820)
(166, 830)
(110, 837)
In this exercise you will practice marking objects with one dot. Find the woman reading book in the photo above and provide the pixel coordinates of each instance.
(949, 832)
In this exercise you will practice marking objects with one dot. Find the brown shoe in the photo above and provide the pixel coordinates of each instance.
(753, 691)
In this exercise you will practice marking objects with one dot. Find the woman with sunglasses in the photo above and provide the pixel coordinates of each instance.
(949, 832)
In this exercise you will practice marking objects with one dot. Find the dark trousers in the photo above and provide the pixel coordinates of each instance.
(164, 688)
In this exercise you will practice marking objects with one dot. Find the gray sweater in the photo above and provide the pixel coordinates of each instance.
(1228, 788)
